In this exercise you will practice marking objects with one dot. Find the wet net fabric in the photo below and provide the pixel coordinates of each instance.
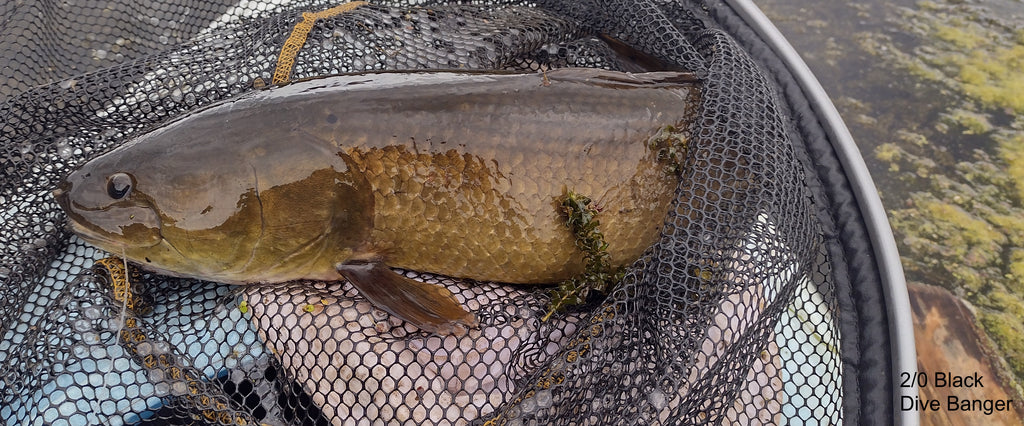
(731, 318)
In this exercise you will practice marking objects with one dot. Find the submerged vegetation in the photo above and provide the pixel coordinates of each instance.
(933, 93)
(598, 275)
(669, 144)
(962, 224)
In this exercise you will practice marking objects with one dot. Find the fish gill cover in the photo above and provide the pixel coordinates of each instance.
(730, 317)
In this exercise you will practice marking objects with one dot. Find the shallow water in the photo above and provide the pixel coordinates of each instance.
(932, 93)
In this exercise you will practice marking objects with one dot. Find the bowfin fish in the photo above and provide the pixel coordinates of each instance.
(452, 173)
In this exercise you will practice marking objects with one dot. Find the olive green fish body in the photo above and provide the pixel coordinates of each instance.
(475, 194)
(453, 173)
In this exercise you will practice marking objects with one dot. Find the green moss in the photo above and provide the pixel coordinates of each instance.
(983, 63)
(973, 123)
(914, 138)
(1008, 333)
(968, 278)
(958, 33)
(1009, 304)
(965, 226)
(921, 70)
(1012, 226)
(670, 144)
(1015, 276)
(891, 154)
(888, 152)
(1011, 151)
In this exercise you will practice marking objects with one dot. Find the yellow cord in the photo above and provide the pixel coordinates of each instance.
(295, 41)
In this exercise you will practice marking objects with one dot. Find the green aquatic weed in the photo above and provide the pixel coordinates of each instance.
(670, 144)
(598, 274)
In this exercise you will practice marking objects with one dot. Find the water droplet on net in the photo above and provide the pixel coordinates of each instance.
(657, 399)
(79, 350)
(514, 412)
(115, 324)
(82, 325)
(529, 405)
(92, 312)
(144, 349)
(64, 150)
(161, 347)
(544, 398)
(98, 352)
(91, 338)
(179, 388)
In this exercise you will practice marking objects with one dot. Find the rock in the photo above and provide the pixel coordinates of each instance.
(950, 342)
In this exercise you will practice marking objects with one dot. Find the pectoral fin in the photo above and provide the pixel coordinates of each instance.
(431, 308)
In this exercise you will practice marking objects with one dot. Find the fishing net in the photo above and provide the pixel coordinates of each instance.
(743, 312)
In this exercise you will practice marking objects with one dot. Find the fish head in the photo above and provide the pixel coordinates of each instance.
(211, 199)
(176, 204)
(106, 207)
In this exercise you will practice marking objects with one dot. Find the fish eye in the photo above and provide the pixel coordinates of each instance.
(119, 185)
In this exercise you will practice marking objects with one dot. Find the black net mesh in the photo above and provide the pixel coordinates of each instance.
(731, 317)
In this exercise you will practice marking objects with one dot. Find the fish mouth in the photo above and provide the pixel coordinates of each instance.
(92, 234)
(119, 247)
(95, 238)
(60, 195)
